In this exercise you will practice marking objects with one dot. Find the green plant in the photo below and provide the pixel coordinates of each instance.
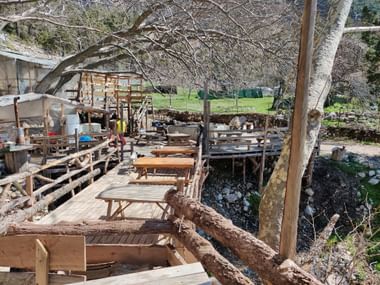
(254, 202)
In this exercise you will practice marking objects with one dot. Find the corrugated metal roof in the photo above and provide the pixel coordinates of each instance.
(28, 58)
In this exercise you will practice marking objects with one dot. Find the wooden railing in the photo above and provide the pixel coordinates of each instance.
(81, 163)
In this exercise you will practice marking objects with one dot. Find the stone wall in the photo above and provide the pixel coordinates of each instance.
(368, 135)
(257, 119)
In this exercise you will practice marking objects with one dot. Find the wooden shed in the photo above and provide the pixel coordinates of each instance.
(19, 73)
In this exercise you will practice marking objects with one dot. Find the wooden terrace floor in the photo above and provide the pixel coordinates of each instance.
(84, 207)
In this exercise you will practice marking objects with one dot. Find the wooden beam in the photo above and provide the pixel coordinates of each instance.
(24, 214)
(28, 278)
(256, 254)
(94, 228)
(203, 250)
(288, 237)
(174, 258)
(127, 253)
(42, 264)
(35, 170)
(60, 258)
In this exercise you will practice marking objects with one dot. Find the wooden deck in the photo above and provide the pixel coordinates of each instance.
(84, 206)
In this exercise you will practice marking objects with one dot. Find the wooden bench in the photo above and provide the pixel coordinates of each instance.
(172, 150)
(129, 194)
(178, 139)
(182, 274)
(142, 165)
(157, 181)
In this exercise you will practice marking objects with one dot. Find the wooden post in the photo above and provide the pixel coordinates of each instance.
(91, 168)
(180, 184)
(121, 133)
(29, 188)
(42, 264)
(62, 119)
(206, 121)
(76, 140)
(15, 106)
(288, 237)
(262, 164)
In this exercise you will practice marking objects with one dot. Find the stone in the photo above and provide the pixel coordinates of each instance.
(309, 191)
(361, 174)
(374, 181)
(239, 195)
(231, 198)
(246, 203)
(249, 185)
(371, 173)
(310, 211)
(219, 197)
(226, 191)
(245, 209)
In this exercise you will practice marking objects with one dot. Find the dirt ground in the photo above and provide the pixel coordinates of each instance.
(354, 147)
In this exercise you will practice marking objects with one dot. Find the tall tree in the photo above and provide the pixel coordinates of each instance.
(272, 202)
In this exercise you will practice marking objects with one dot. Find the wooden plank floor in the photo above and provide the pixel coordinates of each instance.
(84, 206)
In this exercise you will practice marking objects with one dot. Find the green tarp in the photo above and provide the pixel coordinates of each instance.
(242, 93)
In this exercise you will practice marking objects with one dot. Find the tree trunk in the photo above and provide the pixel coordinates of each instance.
(255, 253)
(272, 202)
(203, 250)
(94, 228)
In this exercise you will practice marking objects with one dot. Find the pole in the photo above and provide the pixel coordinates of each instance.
(206, 119)
(288, 237)
(122, 131)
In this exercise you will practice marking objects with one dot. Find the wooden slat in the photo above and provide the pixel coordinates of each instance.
(135, 193)
(174, 150)
(65, 252)
(28, 278)
(126, 253)
(183, 274)
(164, 162)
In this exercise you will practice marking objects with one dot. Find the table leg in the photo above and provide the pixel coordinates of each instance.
(109, 209)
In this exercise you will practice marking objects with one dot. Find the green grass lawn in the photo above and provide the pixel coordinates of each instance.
(185, 102)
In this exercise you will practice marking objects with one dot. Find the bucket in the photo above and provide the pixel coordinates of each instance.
(20, 138)
(72, 123)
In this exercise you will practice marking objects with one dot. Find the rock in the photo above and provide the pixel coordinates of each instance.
(309, 191)
(371, 173)
(219, 197)
(239, 195)
(226, 191)
(374, 181)
(246, 203)
(249, 185)
(338, 153)
(361, 174)
(231, 198)
(310, 211)
(245, 209)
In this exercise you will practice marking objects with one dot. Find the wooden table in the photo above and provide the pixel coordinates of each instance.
(142, 164)
(129, 194)
(171, 150)
(178, 139)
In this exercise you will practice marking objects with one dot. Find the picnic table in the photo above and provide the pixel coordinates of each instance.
(178, 139)
(171, 150)
(129, 194)
(142, 165)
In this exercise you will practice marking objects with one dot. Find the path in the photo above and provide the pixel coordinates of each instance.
(355, 147)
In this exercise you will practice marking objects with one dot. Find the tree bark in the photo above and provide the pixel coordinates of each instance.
(362, 29)
(94, 228)
(272, 202)
(255, 253)
(25, 214)
(203, 250)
